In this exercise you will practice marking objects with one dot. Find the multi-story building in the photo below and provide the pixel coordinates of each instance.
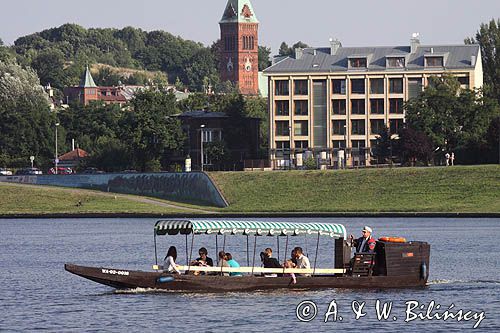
(333, 102)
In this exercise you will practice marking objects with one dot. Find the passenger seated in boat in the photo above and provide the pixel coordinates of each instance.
(223, 262)
(268, 260)
(169, 264)
(292, 258)
(232, 263)
(302, 260)
(289, 264)
(204, 260)
(365, 243)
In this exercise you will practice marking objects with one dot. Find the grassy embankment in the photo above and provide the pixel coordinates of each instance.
(32, 199)
(471, 189)
(463, 189)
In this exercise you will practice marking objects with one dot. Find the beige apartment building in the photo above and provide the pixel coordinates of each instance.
(331, 103)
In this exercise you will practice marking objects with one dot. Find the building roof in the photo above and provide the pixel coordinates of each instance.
(321, 59)
(74, 155)
(239, 11)
(202, 114)
(87, 81)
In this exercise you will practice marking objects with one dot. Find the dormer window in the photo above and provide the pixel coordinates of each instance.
(434, 61)
(395, 62)
(357, 62)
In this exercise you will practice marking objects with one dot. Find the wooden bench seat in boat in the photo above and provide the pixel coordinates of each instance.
(257, 270)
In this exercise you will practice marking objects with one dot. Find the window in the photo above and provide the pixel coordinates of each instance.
(434, 61)
(339, 87)
(358, 127)
(357, 63)
(300, 87)
(211, 135)
(356, 144)
(357, 106)
(301, 108)
(281, 88)
(282, 128)
(396, 62)
(229, 43)
(282, 108)
(396, 86)
(338, 106)
(376, 86)
(338, 144)
(300, 127)
(377, 106)
(338, 127)
(248, 43)
(396, 105)
(358, 86)
(414, 87)
(281, 147)
(377, 126)
(395, 125)
(302, 144)
(464, 81)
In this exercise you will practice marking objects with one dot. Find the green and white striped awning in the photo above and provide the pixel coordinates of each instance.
(259, 228)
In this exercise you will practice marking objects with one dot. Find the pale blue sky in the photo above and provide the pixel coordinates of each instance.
(355, 23)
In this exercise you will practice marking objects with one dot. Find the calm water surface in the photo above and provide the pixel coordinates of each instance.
(37, 294)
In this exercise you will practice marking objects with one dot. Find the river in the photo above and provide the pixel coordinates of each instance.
(38, 294)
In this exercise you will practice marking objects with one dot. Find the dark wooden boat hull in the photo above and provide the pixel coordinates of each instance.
(128, 279)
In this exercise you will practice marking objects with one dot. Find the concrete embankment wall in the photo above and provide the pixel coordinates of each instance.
(193, 187)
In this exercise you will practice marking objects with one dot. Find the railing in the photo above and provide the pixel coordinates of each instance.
(256, 270)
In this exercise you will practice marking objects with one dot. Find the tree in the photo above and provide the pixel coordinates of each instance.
(27, 125)
(414, 146)
(488, 37)
(150, 130)
(384, 146)
(217, 152)
(285, 50)
(451, 117)
(110, 155)
(264, 53)
(49, 65)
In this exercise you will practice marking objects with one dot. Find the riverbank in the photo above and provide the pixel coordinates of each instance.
(459, 189)
(405, 192)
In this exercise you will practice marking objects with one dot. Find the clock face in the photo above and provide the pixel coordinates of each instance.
(248, 65)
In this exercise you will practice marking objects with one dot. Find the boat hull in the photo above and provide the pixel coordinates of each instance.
(128, 279)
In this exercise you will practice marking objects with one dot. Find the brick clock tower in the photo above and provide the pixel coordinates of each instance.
(239, 29)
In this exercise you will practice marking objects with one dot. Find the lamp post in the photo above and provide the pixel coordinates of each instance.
(57, 158)
(290, 150)
(201, 146)
(344, 162)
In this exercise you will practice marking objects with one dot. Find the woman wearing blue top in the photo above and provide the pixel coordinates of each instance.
(232, 263)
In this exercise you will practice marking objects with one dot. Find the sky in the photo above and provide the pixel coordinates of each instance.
(354, 23)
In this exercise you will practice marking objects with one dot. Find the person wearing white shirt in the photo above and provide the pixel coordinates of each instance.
(169, 264)
(302, 260)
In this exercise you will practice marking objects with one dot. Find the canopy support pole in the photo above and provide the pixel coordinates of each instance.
(248, 253)
(286, 250)
(187, 254)
(191, 252)
(305, 245)
(254, 249)
(217, 247)
(156, 253)
(278, 244)
(316, 257)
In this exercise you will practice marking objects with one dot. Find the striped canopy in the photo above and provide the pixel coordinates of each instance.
(259, 228)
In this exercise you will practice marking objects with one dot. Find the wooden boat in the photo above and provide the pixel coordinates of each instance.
(392, 265)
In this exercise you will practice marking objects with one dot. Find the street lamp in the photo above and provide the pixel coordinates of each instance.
(344, 162)
(201, 145)
(57, 158)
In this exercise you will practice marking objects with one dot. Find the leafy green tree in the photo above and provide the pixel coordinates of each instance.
(27, 125)
(256, 107)
(264, 61)
(201, 70)
(383, 150)
(451, 117)
(110, 155)
(217, 152)
(49, 65)
(488, 37)
(150, 130)
(285, 50)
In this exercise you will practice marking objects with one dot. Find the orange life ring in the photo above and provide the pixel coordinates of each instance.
(393, 239)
